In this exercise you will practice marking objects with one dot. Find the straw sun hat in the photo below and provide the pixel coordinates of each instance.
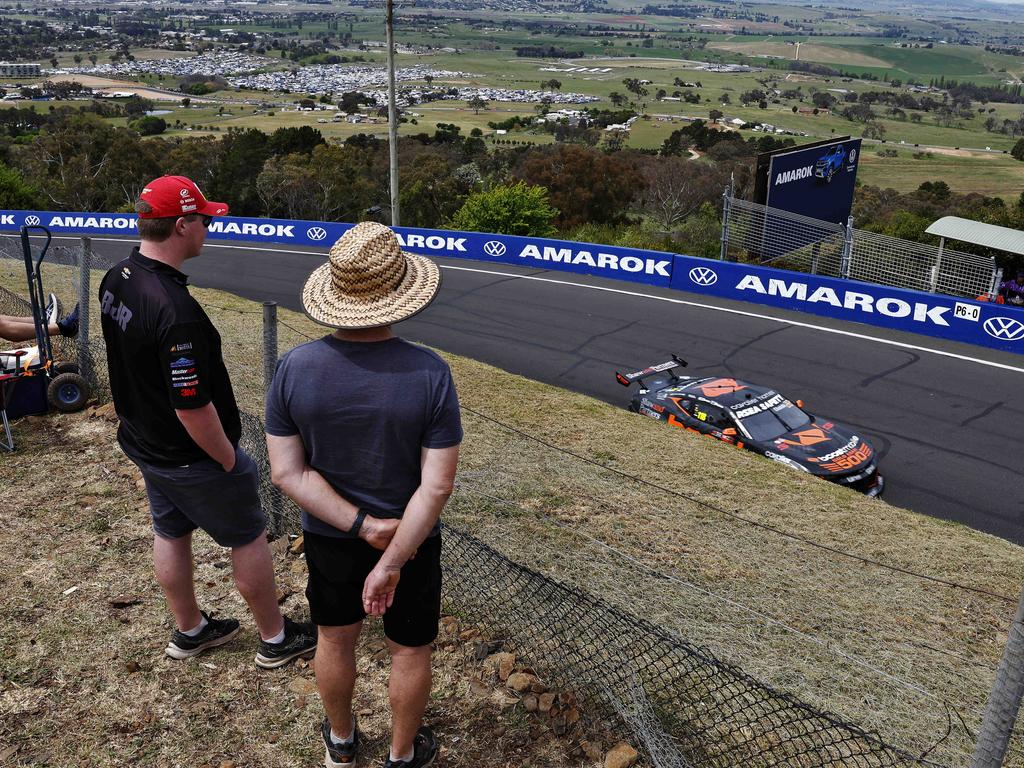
(369, 281)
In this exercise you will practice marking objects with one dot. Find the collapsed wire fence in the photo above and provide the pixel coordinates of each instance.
(737, 697)
(757, 233)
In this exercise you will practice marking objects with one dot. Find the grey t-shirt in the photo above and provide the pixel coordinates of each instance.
(363, 411)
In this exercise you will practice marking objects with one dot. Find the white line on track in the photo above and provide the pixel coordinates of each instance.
(670, 300)
(730, 311)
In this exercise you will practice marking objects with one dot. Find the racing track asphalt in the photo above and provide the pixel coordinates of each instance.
(948, 430)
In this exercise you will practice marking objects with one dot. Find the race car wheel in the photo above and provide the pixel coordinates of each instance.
(68, 392)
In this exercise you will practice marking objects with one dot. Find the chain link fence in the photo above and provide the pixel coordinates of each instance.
(692, 678)
(756, 233)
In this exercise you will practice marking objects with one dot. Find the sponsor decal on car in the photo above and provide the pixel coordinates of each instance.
(811, 436)
(849, 460)
(719, 387)
(773, 402)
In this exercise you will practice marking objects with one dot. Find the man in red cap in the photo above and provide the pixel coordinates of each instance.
(180, 424)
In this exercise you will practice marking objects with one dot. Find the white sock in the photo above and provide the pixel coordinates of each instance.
(410, 756)
(278, 638)
(196, 629)
(340, 741)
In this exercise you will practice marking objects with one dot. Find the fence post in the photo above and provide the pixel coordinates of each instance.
(938, 266)
(84, 301)
(269, 342)
(847, 260)
(997, 280)
(1004, 701)
(726, 207)
(275, 523)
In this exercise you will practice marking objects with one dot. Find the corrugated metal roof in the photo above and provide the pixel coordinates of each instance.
(977, 233)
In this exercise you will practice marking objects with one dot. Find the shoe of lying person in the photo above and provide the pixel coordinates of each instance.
(216, 632)
(424, 750)
(299, 640)
(339, 755)
(52, 312)
(69, 325)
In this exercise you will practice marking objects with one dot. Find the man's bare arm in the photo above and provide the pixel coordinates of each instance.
(204, 427)
(307, 488)
(437, 481)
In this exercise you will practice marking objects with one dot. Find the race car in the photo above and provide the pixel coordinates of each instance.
(830, 163)
(758, 419)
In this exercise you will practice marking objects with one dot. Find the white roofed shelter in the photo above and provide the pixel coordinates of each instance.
(978, 233)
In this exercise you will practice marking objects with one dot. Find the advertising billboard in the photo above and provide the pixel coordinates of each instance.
(815, 180)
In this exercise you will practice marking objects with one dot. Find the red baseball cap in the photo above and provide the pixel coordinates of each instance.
(177, 196)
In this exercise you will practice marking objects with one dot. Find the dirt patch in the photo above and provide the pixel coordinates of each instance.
(832, 54)
(107, 86)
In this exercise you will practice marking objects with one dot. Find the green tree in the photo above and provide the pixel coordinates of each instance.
(82, 163)
(1018, 150)
(285, 141)
(331, 183)
(516, 209)
(585, 184)
(15, 192)
(234, 181)
(476, 104)
(149, 125)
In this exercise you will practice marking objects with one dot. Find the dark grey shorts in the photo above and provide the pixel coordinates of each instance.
(202, 495)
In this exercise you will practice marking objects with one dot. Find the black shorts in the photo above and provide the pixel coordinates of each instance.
(339, 567)
(202, 495)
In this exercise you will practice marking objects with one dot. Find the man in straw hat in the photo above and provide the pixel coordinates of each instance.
(363, 430)
(179, 423)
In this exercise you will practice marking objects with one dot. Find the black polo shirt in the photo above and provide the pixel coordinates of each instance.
(163, 354)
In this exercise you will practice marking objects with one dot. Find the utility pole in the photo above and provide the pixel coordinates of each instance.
(392, 113)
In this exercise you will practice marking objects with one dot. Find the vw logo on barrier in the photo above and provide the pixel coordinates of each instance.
(703, 276)
(494, 248)
(31, 221)
(1004, 328)
(316, 233)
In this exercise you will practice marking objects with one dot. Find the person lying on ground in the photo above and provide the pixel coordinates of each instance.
(16, 328)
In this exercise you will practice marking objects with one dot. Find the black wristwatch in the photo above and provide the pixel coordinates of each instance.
(354, 530)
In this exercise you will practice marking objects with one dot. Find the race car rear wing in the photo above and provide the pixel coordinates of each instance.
(625, 379)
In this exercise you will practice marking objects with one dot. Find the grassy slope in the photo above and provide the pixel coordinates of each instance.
(559, 516)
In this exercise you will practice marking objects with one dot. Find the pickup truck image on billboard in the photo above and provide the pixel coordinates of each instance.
(815, 180)
(830, 163)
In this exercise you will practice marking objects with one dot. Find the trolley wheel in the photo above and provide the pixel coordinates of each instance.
(66, 367)
(68, 392)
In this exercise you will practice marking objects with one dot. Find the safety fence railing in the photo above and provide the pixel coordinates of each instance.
(759, 234)
(696, 676)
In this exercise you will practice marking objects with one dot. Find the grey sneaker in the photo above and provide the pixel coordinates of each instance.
(299, 640)
(216, 632)
(339, 755)
(424, 750)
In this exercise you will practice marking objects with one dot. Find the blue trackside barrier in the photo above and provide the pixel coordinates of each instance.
(635, 265)
(996, 326)
(983, 324)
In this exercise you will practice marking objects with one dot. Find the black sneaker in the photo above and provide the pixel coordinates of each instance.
(299, 640)
(424, 750)
(69, 325)
(339, 755)
(216, 632)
